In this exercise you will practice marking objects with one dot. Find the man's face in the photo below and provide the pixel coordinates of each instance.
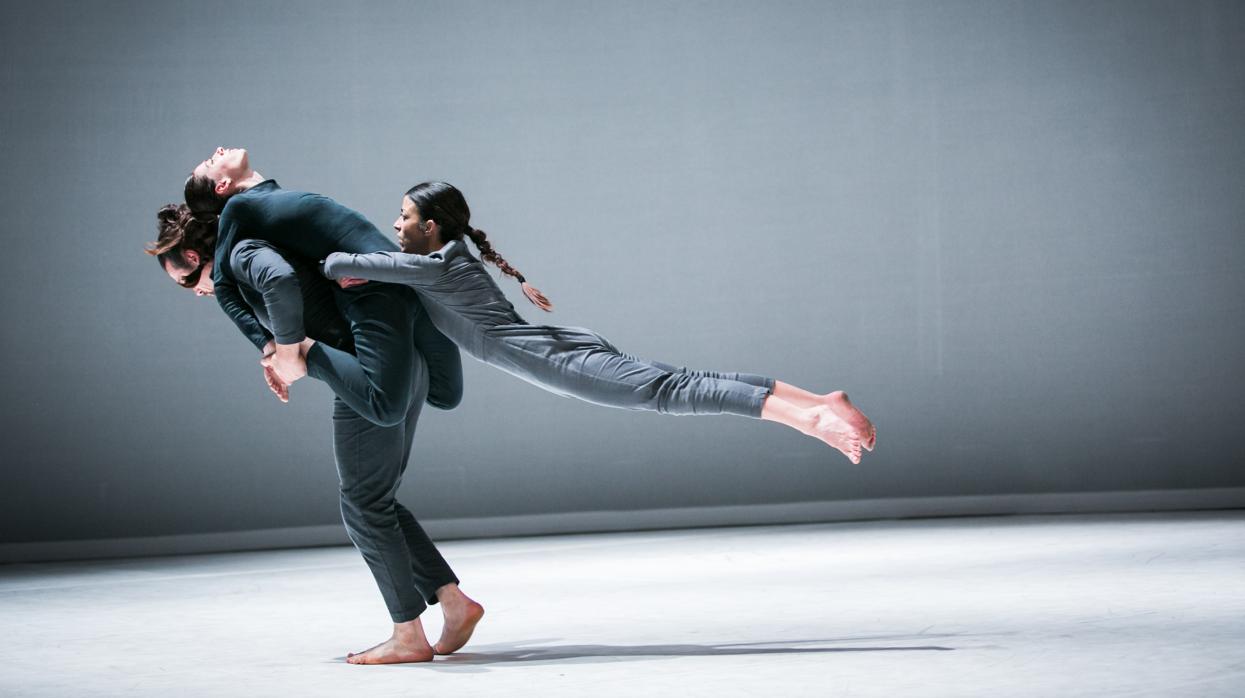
(225, 167)
(185, 277)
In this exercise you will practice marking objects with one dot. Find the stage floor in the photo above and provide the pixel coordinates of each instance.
(1099, 605)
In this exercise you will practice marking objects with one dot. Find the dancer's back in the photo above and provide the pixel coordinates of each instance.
(307, 224)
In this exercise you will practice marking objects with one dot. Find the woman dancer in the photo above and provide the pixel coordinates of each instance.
(225, 191)
(467, 305)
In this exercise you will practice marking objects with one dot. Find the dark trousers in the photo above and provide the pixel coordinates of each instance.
(379, 397)
(371, 460)
(390, 331)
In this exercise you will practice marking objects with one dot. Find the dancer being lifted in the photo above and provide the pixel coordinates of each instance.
(466, 304)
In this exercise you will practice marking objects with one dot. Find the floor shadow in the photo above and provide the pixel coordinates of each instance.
(546, 650)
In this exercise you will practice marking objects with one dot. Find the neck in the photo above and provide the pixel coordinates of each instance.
(252, 180)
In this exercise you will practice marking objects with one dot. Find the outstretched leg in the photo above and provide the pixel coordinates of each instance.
(578, 362)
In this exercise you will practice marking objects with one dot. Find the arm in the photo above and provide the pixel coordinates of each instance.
(393, 267)
(226, 288)
(230, 300)
(263, 268)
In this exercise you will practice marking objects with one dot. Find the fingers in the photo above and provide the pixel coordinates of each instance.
(276, 385)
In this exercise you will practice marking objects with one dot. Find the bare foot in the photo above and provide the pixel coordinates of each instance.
(460, 621)
(406, 645)
(848, 412)
(824, 424)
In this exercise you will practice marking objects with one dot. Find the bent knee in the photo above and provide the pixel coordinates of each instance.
(445, 401)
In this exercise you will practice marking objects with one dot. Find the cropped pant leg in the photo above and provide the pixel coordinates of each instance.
(580, 363)
(371, 460)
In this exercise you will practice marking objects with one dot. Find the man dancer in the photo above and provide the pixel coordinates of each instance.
(285, 295)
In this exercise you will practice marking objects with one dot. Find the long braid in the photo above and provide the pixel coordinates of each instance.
(488, 254)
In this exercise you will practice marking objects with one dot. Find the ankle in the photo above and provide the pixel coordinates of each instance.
(410, 630)
(450, 593)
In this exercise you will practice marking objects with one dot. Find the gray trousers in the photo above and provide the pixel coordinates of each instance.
(578, 362)
(371, 460)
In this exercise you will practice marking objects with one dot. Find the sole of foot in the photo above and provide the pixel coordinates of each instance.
(834, 430)
(844, 408)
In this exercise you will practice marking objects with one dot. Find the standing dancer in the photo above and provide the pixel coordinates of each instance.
(379, 393)
(467, 305)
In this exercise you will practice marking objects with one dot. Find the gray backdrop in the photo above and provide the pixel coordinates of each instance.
(1010, 230)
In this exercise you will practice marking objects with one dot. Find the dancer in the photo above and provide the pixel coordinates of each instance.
(467, 305)
(371, 444)
(225, 190)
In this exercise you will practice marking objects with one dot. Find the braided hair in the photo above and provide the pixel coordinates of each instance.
(446, 205)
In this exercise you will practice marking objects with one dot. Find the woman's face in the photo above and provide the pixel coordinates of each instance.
(225, 166)
(200, 266)
(412, 230)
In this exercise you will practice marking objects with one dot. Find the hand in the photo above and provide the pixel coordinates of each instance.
(269, 349)
(281, 390)
(348, 281)
(287, 363)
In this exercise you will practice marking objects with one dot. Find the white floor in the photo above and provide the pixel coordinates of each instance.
(1110, 605)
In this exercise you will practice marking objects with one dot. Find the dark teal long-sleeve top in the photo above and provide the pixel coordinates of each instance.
(308, 225)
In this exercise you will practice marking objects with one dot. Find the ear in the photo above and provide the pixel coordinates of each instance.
(222, 187)
(192, 257)
(430, 227)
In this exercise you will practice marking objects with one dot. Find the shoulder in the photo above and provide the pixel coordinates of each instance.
(251, 251)
(251, 246)
(252, 197)
(455, 248)
(235, 208)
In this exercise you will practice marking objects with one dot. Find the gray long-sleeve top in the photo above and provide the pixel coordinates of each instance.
(461, 298)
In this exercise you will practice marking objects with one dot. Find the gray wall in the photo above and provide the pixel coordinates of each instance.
(1012, 231)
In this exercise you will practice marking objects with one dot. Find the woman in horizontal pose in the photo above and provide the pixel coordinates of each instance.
(466, 304)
